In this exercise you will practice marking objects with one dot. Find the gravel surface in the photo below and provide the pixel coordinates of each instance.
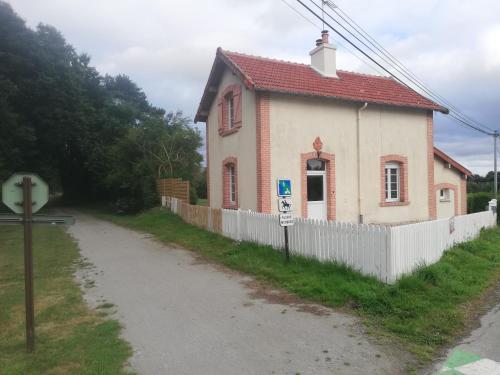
(186, 316)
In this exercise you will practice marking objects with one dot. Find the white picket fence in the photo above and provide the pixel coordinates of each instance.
(425, 242)
(362, 247)
(386, 252)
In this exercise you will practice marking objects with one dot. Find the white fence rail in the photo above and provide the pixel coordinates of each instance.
(362, 247)
(425, 243)
(376, 250)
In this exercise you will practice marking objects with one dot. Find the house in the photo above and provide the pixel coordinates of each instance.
(356, 147)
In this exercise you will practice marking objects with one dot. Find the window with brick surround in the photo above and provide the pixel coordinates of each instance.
(444, 195)
(230, 183)
(393, 180)
(229, 110)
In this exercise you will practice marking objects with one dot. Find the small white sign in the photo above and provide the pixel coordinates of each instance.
(284, 205)
(452, 224)
(286, 219)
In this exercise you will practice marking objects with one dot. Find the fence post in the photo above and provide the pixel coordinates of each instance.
(238, 225)
(388, 255)
(492, 205)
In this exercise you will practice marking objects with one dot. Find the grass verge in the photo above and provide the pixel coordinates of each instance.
(425, 310)
(70, 338)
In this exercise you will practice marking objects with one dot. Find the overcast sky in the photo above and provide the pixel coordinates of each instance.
(167, 47)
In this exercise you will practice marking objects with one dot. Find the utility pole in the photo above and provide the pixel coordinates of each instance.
(495, 173)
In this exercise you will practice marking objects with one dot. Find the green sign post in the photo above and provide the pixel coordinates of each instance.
(26, 193)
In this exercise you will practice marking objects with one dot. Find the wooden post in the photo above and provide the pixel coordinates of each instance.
(287, 251)
(28, 265)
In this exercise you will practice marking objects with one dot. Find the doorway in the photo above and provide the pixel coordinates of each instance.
(316, 189)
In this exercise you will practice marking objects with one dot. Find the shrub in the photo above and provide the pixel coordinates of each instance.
(477, 202)
(193, 195)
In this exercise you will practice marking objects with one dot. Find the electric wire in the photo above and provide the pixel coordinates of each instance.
(356, 27)
(350, 50)
(453, 115)
(392, 65)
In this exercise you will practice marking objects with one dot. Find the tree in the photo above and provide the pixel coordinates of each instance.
(89, 136)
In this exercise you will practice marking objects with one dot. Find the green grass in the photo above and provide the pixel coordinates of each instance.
(202, 202)
(70, 338)
(423, 311)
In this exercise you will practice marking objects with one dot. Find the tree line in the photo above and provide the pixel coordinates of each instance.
(477, 183)
(90, 136)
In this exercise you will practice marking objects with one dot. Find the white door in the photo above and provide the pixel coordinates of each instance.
(316, 189)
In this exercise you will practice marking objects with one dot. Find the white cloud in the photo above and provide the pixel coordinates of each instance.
(167, 47)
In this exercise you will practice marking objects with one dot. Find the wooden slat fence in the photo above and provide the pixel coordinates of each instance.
(203, 217)
(173, 187)
(381, 251)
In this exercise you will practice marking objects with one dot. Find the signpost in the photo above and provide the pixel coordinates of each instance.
(284, 192)
(25, 194)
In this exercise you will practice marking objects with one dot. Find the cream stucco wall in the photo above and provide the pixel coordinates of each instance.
(241, 145)
(443, 174)
(296, 121)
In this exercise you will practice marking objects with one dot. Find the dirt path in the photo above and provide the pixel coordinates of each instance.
(183, 316)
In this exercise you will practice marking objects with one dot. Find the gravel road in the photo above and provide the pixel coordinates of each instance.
(186, 316)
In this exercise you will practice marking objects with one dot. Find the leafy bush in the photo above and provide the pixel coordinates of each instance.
(193, 195)
(477, 202)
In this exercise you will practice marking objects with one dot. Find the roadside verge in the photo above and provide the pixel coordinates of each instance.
(70, 337)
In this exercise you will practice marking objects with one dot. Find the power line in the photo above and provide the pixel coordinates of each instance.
(350, 50)
(456, 116)
(397, 62)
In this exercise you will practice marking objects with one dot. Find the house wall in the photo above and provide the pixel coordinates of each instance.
(296, 121)
(442, 176)
(241, 144)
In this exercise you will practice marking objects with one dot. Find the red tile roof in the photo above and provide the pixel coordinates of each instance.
(440, 154)
(292, 78)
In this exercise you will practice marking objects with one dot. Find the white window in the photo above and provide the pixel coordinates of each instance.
(392, 182)
(232, 183)
(444, 195)
(230, 110)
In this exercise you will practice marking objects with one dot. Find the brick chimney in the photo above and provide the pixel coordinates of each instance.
(323, 57)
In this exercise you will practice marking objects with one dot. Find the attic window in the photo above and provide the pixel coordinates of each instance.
(230, 110)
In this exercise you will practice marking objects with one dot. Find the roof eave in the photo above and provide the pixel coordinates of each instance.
(459, 167)
(402, 105)
(208, 95)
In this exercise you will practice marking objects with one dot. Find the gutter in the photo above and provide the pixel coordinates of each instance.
(358, 151)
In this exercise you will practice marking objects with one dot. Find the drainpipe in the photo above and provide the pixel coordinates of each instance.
(358, 148)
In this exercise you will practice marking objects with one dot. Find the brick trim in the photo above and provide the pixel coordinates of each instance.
(430, 166)
(463, 196)
(207, 138)
(263, 152)
(403, 183)
(330, 182)
(226, 201)
(224, 129)
(455, 193)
